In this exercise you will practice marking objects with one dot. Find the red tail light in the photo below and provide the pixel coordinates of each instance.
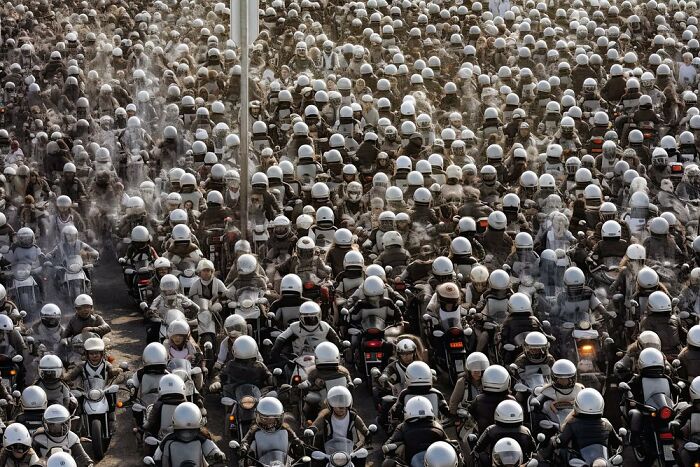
(144, 282)
(455, 332)
(373, 344)
(308, 285)
(665, 413)
(296, 379)
(677, 168)
(483, 223)
(666, 436)
(373, 331)
(325, 292)
(647, 135)
(399, 286)
(457, 345)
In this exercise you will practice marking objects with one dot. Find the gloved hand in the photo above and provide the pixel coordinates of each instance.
(215, 387)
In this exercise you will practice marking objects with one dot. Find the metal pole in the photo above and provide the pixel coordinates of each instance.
(245, 176)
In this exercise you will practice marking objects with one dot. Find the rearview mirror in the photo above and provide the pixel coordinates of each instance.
(227, 401)
(151, 441)
(148, 460)
(357, 381)
(318, 456)
(624, 386)
(277, 372)
(541, 437)
(372, 428)
(233, 444)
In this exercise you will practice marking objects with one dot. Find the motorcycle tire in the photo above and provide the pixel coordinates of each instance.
(98, 445)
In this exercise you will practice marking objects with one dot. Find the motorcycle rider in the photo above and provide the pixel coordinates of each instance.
(243, 368)
(304, 335)
(419, 382)
(171, 393)
(418, 431)
(587, 426)
(17, 448)
(169, 298)
(340, 420)
(661, 320)
(269, 432)
(508, 419)
(48, 330)
(519, 321)
(57, 391)
(469, 385)
(495, 384)
(690, 355)
(138, 251)
(85, 320)
(145, 381)
(188, 442)
(55, 432)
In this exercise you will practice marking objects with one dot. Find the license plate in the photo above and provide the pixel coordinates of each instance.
(668, 452)
(459, 366)
(212, 248)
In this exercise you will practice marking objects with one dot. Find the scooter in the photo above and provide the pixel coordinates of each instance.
(97, 403)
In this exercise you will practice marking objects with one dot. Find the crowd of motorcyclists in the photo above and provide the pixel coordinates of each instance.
(471, 238)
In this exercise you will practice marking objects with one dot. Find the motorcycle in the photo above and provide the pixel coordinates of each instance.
(215, 248)
(240, 410)
(74, 280)
(588, 353)
(184, 369)
(450, 341)
(208, 321)
(593, 455)
(187, 276)
(272, 458)
(657, 412)
(24, 289)
(97, 403)
(340, 452)
(373, 350)
(9, 367)
(142, 274)
(248, 304)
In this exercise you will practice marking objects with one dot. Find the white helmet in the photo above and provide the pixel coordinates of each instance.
(169, 284)
(187, 416)
(495, 379)
(589, 402)
(507, 453)
(16, 433)
(246, 264)
(83, 300)
(695, 389)
(519, 303)
(418, 407)
(339, 396)
(235, 326)
(56, 421)
(477, 361)
(651, 358)
(269, 413)
(34, 398)
(154, 354)
(326, 353)
(659, 302)
(564, 374)
(50, 368)
(310, 314)
(291, 284)
(171, 384)
(440, 454)
(373, 287)
(59, 459)
(245, 348)
(508, 412)
(419, 374)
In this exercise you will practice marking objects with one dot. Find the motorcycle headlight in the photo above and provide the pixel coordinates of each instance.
(247, 402)
(94, 394)
(22, 274)
(247, 303)
(339, 459)
(74, 268)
